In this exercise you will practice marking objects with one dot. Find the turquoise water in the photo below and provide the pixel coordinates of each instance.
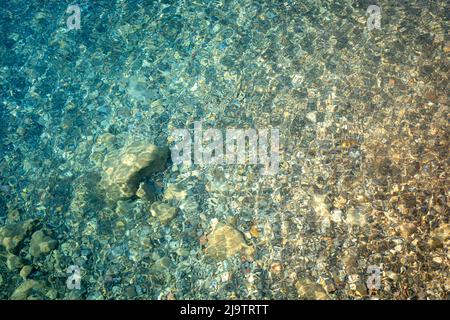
(363, 121)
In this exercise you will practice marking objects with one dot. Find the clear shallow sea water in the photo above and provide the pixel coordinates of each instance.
(363, 122)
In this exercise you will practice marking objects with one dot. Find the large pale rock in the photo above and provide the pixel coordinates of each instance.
(125, 169)
(163, 211)
(225, 241)
(310, 290)
(41, 244)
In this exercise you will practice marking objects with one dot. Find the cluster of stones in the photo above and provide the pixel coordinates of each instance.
(24, 245)
(125, 169)
(126, 174)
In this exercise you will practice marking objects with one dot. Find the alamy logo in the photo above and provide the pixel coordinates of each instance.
(74, 21)
(242, 146)
(374, 280)
(374, 20)
(74, 279)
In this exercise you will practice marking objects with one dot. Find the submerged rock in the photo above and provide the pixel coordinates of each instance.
(225, 241)
(163, 211)
(175, 192)
(29, 289)
(161, 265)
(442, 232)
(25, 271)
(439, 237)
(41, 244)
(310, 290)
(125, 169)
(406, 229)
(146, 192)
(13, 235)
(13, 262)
